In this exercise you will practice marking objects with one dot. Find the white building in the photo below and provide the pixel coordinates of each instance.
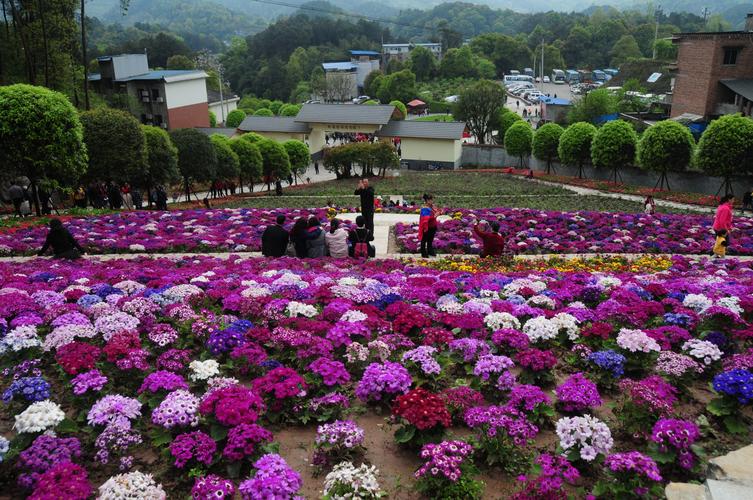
(165, 98)
(401, 51)
(345, 80)
(229, 103)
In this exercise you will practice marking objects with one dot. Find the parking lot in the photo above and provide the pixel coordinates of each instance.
(518, 105)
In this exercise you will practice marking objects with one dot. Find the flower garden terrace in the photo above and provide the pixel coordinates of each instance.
(528, 231)
(201, 370)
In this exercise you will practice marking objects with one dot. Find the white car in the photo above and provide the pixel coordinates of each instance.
(547, 80)
(361, 99)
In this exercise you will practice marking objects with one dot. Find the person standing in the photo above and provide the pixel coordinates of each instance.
(126, 195)
(161, 198)
(748, 200)
(316, 167)
(336, 240)
(17, 195)
(278, 187)
(113, 196)
(366, 193)
(723, 219)
(494, 243)
(64, 245)
(274, 239)
(649, 206)
(427, 227)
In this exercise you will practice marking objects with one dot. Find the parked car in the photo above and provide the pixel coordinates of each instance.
(546, 79)
(361, 99)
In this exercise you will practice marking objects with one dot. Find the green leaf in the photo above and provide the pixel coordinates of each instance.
(735, 425)
(218, 432)
(234, 469)
(405, 433)
(160, 437)
(718, 407)
(67, 426)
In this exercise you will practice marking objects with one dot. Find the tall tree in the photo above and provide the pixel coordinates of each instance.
(161, 158)
(666, 147)
(276, 163)
(478, 106)
(299, 156)
(575, 145)
(41, 136)
(250, 161)
(228, 164)
(197, 160)
(624, 49)
(116, 144)
(422, 63)
(726, 148)
(518, 140)
(546, 142)
(592, 105)
(613, 147)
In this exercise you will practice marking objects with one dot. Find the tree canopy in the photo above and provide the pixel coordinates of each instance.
(518, 139)
(234, 118)
(546, 143)
(504, 120)
(116, 145)
(161, 157)
(613, 146)
(666, 146)
(591, 106)
(249, 158)
(275, 160)
(299, 155)
(197, 160)
(400, 86)
(423, 63)
(726, 147)
(41, 134)
(478, 106)
(228, 164)
(575, 145)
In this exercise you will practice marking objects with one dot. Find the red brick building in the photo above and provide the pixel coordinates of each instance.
(714, 73)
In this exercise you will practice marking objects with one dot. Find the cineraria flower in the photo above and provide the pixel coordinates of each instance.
(39, 417)
(568, 323)
(422, 409)
(586, 435)
(111, 324)
(499, 320)
(273, 479)
(493, 420)
(332, 372)
(133, 485)
(470, 348)
(22, 337)
(633, 462)
(212, 487)
(114, 409)
(489, 364)
(651, 392)
(636, 341)
(422, 356)
(202, 370)
(554, 472)
(44, 453)
(702, 350)
(677, 436)
(698, 303)
(29, 388)
(609, 361)
(179, 408)
(736, 383)
(243, 439)
(676, 365)
(162, 380)
(444, 459)
(4, 447)
(233, 405)
(163, 334)
(298, 308)
(540, 328)
(192, 445)
(577, 394)
(281, 382)
(63, 481)
(353, 482)
(116, 439)
(380, 380)
(340, 433)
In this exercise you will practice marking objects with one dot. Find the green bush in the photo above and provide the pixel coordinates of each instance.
(546, 141)
(575, 145)
(235, 118)
(726, 147)
(228, 164)
(666, 147)
(263, 112)
(439, 107)
(505, 120)
(212, 119)
(518, 139)
(613, 146)
(290, 110)
(399, 105)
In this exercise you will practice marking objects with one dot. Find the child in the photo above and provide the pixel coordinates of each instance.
(720, 247)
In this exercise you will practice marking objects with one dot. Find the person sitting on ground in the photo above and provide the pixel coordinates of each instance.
(274, 239)
(315, 243)
(494, 243)
(298, 237)
(336, 240)
(64, 245)
(649, 206)
(359, 239)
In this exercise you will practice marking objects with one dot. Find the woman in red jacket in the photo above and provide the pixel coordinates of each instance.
(723, 218)
(427, 226)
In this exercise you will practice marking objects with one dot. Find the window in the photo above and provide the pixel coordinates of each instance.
(155, 93)
(157, 120)
(730, 56)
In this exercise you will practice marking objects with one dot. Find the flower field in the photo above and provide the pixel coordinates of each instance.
(529, 232)
(155, 378)
(544, 232)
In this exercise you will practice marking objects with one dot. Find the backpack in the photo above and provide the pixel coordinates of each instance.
(361, 248)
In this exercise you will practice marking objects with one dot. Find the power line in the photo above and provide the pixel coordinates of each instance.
(425, 29)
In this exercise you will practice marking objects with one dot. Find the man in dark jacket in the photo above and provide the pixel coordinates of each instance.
(748, 200)
(274, 240)
(366, 193)
(494, 243)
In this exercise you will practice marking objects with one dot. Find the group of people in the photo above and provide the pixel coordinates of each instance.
(348, 137)
(218, 189)
(307, 239)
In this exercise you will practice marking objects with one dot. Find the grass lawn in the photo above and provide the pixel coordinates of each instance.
(435, 118)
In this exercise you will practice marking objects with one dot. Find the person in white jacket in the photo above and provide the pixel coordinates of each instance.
(336, 240)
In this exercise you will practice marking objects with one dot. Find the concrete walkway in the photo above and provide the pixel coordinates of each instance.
(729, 477)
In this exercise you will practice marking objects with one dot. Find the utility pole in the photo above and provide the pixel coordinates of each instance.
(542, 62)
(657, 13)
(705, 14)
(222, 103)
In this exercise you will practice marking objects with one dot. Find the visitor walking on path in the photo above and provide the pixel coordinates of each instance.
(494, 243)
(649, 206)
(316, 167)
(315, 243)
(359, 239)
(336, 240)
(274, 239)
(64, 245)
(723, 219)
(126, 195)
(748, 200)
(366, 193)
(298, 237)
(427, 227)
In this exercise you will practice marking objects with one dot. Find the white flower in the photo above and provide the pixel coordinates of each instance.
(353, 316)
(351, 482)
(515, 286)
(540, 328)
(607, 282)
(131, 486)
(702, 350)
(499, 320)
(299, 308)
(179, 293)
(203, 370)
(21, 337)
(541, 301)
(135, 247)
(587, 434)
(731, 303)
(697, 302)
(636, 341)
(111, 324)
(567, 322)
(39, 417)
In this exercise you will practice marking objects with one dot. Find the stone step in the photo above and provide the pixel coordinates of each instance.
(686, 491)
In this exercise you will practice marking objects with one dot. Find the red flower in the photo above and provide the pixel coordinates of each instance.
(422, 409)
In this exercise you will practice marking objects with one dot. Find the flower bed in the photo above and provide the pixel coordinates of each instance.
(178, 377)
(544, 232)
